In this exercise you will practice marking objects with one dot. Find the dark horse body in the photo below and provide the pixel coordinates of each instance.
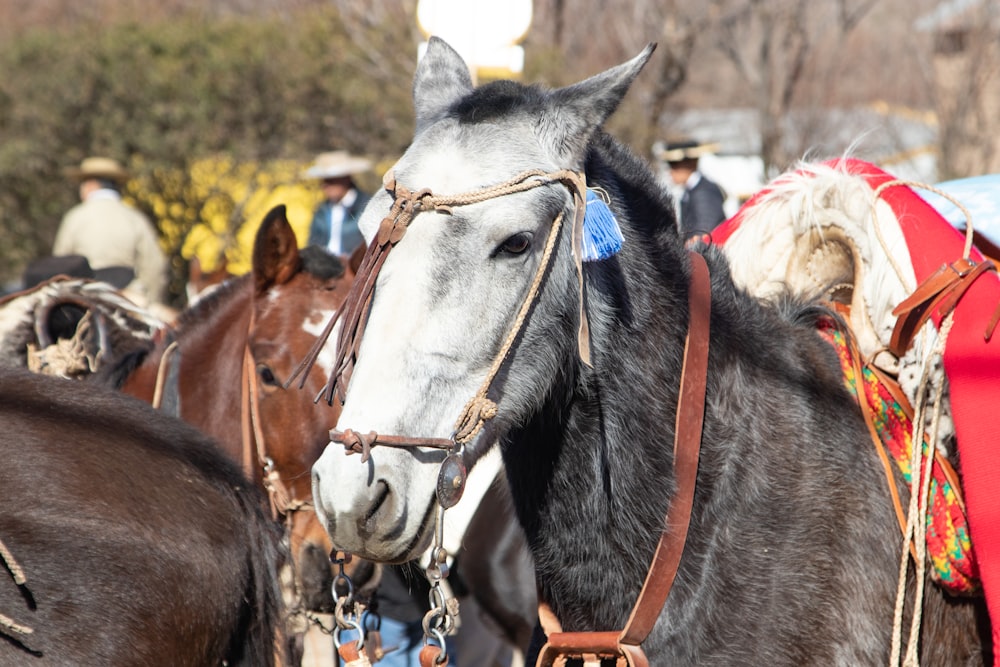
(140, 543)
(793, 548)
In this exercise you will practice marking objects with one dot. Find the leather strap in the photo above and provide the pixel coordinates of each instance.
(941, 292)
(888, 468)
(588, 646)
(362, 443)
(352, 656)
(687, 446)
(689, 420)
(254, 446)
(248, 427)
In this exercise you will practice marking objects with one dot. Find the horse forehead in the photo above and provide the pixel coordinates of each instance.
(453, 159)
(294, 304)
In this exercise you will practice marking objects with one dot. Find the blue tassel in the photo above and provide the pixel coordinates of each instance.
(602, 237)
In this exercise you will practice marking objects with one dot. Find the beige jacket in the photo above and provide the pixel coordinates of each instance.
(109, 233)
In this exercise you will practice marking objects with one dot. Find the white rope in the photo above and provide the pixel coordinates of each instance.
(7, 624)
(916, 521)
(967, 249)
(161, 373)
(920, 467)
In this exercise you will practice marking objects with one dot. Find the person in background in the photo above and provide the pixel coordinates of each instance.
(701, 200)
(335, 221)
(118, 241)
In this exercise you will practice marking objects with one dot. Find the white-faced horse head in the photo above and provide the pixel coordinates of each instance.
(431, 339)
(480, 317)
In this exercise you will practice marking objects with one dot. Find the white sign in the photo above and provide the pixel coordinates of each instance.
(484, 32)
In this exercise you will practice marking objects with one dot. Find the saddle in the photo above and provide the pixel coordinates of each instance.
(71, 327)
(915, 297)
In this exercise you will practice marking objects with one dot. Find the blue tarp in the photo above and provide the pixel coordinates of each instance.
(979, 194)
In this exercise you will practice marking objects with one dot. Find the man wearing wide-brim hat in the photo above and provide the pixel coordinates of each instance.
(335, 222)
(701, 203)
(118, 241)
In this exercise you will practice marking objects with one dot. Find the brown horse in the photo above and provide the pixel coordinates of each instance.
(200, 366)
(129, 539)
(223, 369)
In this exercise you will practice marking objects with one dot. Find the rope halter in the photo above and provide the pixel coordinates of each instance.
(352, 315)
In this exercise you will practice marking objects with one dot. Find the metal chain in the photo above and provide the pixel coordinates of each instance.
(347, 610)
(442, 618)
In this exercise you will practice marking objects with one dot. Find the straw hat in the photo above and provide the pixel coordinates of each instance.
(336, 163)
(98, 167)
(682, 149)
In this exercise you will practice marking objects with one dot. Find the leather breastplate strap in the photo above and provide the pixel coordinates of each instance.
(625, 647)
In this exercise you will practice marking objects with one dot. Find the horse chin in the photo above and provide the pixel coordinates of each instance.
(389, 552)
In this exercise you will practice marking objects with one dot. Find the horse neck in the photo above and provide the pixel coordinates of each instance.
(592, 472)
(211, 340)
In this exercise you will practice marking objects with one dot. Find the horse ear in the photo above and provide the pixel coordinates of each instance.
(194, 270)
(578, 110)
(275, 251)
(442, 78)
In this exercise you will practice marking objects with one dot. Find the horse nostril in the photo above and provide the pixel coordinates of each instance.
(381, 493)
(366, 523)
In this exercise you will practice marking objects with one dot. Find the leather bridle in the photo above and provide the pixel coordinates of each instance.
(255, 456)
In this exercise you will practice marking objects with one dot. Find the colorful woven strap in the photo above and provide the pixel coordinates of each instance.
(949, 547)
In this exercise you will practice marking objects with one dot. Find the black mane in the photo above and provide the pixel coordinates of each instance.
(319, 263)
(210, 302)
(498, 99)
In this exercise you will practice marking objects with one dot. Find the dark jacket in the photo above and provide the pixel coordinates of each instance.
(701, 208)
(350, 235)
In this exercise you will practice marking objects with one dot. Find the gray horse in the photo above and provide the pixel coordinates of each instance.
(793, 548)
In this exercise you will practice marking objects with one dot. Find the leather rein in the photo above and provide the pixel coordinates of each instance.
(625, 646)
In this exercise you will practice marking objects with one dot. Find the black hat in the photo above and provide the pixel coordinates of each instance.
(682, 149)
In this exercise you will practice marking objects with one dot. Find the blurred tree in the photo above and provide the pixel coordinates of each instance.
(770, 42)
(164, 96)
(967, 69)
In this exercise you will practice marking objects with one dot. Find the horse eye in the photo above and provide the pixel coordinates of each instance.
(515, 245)
(266, 375)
